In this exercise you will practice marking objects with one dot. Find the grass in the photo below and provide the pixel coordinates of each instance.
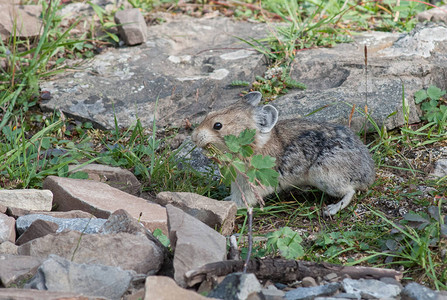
(34, 145)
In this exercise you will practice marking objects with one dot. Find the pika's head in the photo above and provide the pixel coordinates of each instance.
(244, 114)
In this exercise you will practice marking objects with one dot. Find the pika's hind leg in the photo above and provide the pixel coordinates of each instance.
(332, 209)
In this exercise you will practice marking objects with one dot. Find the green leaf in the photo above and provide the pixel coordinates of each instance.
(232, 143)
(268, 177)
(290, 250)
(228, 174)
(161, 237)
(287, 241)
(420, 96)
(435, 93)
(251, 175)
(240, 165)
(79, 175)
(247, 137)
(246, 151)
(414, 217)
(46, 142)
(263, 162)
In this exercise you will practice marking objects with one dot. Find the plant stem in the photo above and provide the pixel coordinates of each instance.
(250, 237)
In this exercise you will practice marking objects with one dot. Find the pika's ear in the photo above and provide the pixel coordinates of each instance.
(266, 118)
(253, 98)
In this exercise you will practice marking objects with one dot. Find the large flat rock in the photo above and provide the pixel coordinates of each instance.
(187, 64)
(101, 200)
(336, 77)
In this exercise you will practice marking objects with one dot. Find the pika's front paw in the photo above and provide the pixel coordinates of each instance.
(331, 210)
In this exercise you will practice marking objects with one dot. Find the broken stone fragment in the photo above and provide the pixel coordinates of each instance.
(218, 215)
(194, 243)
(29, 199)
(24, 18)
(121, 179)
(131, 26)
(102, 200)
(94, 280)
(105, 249)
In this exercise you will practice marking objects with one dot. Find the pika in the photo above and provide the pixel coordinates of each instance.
(327, 156)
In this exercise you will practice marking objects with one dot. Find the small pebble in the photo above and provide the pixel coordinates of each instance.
(308, 282)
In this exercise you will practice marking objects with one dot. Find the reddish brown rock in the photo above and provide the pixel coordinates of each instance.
(24, 17)
(26, 294)
(194, 243)
(72, 214)
(38, 228)
(14, 268)
(128, 251)
(219, 215)
(101, 200)
(162, 287)
(132, 27)
(7, 229)
(121, 179)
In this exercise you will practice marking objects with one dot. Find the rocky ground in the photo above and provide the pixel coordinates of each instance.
(95, 239)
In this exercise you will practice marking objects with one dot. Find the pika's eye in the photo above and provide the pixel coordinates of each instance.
(217, 126)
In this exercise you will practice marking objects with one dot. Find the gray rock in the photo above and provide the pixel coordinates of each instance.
(370, 288)
(162, 287)
(193, 242)
(15, 268)
(236, 286)
(437, 14)
(219, 215)
(336, 76)
(124, 250)
(119, 178)
(187, 64)
(389, 280)
(37, 229)
(7, 229)
(122, 221)
(101, 200)
(30, 199)
(440, 168)
(85, 225)
(308, 293)
(131, 26)
(59, 274)
(272, 293)
(346, 296)
(415, 291)
(197, 159)
(77, 9)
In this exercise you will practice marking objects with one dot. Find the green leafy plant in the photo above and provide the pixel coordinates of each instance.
(106, 21)
(25, 162)
(433, 104)
(276, 82)
(161, 237)
(240, 160)
(287, 242)
(415, 241)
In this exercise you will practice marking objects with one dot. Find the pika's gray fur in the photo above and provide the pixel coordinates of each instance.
(327, 156)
